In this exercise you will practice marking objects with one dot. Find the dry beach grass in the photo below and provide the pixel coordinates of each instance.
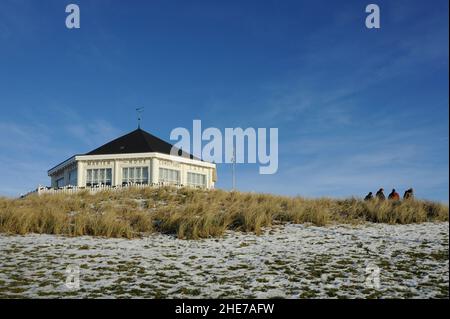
(192, 214)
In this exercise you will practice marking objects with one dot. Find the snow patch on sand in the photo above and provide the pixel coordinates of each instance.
(293, 261)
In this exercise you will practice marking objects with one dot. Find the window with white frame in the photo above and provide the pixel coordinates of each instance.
(134, 175)
(98, 176)
(195, 179)
(171, 176)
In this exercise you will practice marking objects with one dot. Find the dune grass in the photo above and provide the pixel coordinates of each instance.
(193, 214)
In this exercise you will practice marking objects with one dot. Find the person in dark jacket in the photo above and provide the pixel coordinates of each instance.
(409, 194)
(394, 195)
(369, 196)
(380, 194)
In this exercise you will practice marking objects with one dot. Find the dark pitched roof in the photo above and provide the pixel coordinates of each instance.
(137, 141)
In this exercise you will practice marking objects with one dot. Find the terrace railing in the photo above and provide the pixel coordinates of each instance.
(94, 189)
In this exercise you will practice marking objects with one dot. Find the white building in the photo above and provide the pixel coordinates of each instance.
(135, 158)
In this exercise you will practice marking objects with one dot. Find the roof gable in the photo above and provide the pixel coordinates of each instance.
(137, 141)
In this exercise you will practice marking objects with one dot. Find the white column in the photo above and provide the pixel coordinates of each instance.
(154, 170)
(150, 173)
(80, 174)
(117, 174)
(183, 174)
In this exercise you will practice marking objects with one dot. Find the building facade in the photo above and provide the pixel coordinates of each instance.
(136, 158)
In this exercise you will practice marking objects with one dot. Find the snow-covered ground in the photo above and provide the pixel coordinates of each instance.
(293, 261)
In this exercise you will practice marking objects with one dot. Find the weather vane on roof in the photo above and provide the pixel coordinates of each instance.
(139, 111)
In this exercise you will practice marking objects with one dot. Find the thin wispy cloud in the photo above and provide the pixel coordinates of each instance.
(34, 147)
(93, 134)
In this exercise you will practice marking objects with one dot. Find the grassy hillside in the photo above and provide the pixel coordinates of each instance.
(194, 214)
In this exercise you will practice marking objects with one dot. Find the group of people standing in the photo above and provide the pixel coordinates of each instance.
(409, 194)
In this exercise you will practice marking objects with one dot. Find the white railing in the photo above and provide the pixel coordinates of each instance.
(94, 189)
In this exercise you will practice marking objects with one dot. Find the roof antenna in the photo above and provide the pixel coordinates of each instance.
(139, 111)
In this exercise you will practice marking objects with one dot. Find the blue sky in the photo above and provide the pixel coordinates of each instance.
(356, 109)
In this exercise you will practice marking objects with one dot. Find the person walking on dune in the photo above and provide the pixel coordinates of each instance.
(394, 195)
(369, 196)
(380, 194)
(409, 194)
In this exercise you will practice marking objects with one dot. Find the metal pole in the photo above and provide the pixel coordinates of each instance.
(234, 168)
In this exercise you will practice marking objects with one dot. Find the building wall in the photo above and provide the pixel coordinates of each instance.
(153, 164)
(64, 174)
